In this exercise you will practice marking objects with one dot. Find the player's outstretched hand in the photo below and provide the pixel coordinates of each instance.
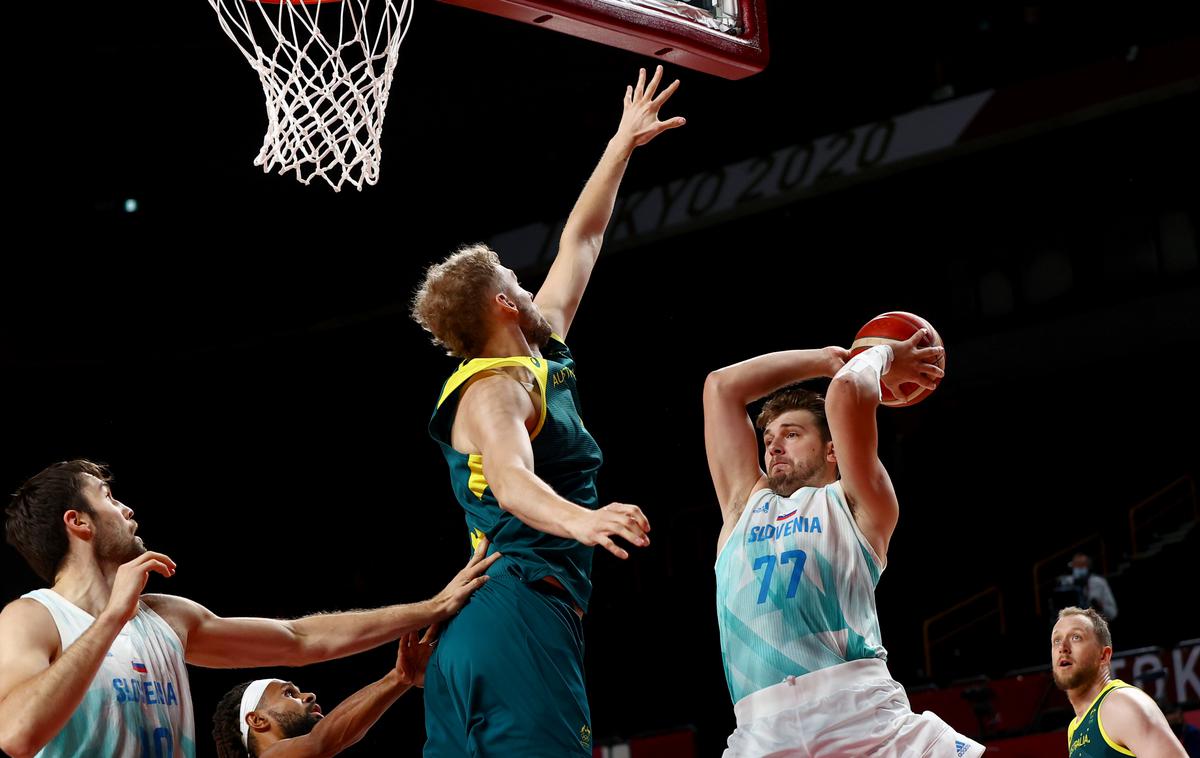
(639, 122)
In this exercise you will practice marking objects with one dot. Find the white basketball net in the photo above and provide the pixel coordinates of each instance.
(326, 95)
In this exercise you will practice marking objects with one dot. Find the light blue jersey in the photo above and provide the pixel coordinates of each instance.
(795, 589)
(139, 704)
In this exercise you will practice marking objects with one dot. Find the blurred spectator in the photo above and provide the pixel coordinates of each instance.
(1084, 589)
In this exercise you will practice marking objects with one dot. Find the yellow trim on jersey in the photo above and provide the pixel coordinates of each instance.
(1075, 722)
(476, 537)
(537, 366)
(1119, 748)
(477, 483)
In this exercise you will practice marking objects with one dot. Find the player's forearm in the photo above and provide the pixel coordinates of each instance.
(593, 210)
(325, 637)
(349, 722)
(750, 380)
(35, 711)
(523, 494)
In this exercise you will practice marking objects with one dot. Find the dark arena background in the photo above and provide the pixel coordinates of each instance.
(236, 346)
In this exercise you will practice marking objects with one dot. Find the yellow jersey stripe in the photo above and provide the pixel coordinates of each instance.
(536, 366)
(477, 483)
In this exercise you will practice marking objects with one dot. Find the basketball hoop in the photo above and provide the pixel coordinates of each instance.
(325, 67)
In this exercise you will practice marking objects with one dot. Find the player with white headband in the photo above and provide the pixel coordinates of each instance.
(271, 718)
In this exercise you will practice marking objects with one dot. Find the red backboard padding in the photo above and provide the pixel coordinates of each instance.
(665, 38)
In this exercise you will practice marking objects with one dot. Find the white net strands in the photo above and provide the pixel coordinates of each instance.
(326, 67)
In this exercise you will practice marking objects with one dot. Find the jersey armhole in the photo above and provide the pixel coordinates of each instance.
(156, 616)
(738, 526)
(839, 495)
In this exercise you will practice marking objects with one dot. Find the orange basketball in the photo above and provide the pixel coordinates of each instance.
(897, 325)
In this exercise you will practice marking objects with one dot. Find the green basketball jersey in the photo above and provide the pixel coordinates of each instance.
(1086, 737)
(565, 456)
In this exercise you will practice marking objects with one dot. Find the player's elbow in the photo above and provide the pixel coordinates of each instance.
(583, 235)
(848, 390)
(718, 387)
(17, 740)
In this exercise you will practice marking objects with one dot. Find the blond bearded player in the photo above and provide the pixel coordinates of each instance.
(1112, 718)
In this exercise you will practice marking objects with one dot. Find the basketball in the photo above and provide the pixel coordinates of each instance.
(897, 325)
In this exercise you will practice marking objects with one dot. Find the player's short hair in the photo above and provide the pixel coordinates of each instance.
(794, 398)
(227, 728)
(451, 302)
(1098, 622)
(34, 523)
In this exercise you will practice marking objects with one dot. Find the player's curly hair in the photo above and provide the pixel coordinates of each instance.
(34, 523)
(451, 302)
(227, 731)
(794, 398)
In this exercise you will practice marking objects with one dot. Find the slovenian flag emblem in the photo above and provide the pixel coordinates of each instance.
(139, 667)
(786, 516)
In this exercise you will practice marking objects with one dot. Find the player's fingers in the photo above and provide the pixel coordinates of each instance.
(475, 569)
(933, 370)
(628, 94)
(673, 123)
(641, 84)
(159, 567)
(652, 87)
(431, 634)
(151, 555)
(926, 382)
(480, 551)
(632, 511)
(930, 354)
(611, 547)
(628, 531)
(919, 337)
(665, 94)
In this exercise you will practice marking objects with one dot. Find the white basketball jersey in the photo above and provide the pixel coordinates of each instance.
(139, 705)
(795, 589)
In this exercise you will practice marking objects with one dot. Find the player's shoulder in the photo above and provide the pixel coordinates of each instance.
(1125, 703)
(28, 618)
(24, 605)
(496, 386)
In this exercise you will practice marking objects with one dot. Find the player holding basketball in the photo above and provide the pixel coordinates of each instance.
(507, 676)
(271, 718)
(1112, 718)
(801, 550)
(92, 667)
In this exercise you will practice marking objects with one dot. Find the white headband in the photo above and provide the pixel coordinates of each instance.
(254, 692)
